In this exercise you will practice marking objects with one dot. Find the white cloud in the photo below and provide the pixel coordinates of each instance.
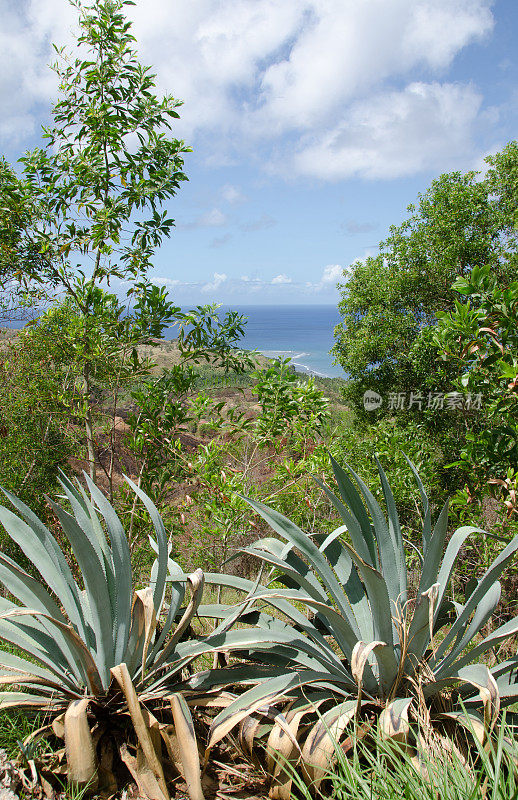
(331, 274)
(346, 48)
(219, 279)
(169, 282)
(211, 219)
(230, 289)
(395, 134)
(232, 194)
(251, 71)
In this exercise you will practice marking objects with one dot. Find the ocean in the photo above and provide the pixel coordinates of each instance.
(302, 333)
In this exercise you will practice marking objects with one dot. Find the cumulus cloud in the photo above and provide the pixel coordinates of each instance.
(228, 289)
(252, 71)
(346, 48)
(232, 194)
(169, 282)
(395, 134)
(330, 276)
(211, 219)
(212, 286)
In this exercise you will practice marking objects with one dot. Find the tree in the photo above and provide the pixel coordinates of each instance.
(480, 335)
(459, 223)
(20, 295)
(95, 194)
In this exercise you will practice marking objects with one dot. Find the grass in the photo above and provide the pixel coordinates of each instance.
(384, 771)
(15, 726)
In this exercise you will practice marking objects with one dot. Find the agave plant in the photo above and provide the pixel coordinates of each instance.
(90, 650)
(369, 645)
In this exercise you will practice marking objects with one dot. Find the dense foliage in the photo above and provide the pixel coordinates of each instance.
(459, 223)
(480, 336)
(410, 383)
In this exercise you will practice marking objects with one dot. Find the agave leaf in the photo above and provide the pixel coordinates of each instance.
(121, 559)
(31, 594)
(359, 664)
(9, 661)
(378, 598)
(99, 600)
(483, 613)
(421, 629)
(507, 689)
(388, 558)
(295, 568)
(347, 574)
(269, 692)
(88, 521)
(395, 533)
(142, 774)
(339, 626)
(352, 498)
(351, 525)
(170, 739)
(30, 638)
(359, 658)
(47, 686)
(177, 578)
(470, 721)
(280, 750)
(283, 526)
(81, 759)
(434, 551)
(122, 676)
(249, 729)
(301, 649)
(320, 745)
(393, 721)
(163, 549)
(23, 628)
(480, 677)
(187, 745)
(40, 547)
(427, 516)
(484, 585)
(19, 700)
(196, 582)
(505, 631)
(452, 551)
(26, 589)
(506, 668)
(144, 597)
(238, 674)
(243, 584)
(77, 645)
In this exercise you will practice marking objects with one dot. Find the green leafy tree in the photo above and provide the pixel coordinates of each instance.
(20, 295)
(480, 336)
(459, 223)
(288, 404)
(96, 192)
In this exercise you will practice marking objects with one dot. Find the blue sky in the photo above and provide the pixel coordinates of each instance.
(314, 123)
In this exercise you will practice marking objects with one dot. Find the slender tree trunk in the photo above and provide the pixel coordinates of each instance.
(89, 424)
(134, 506)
